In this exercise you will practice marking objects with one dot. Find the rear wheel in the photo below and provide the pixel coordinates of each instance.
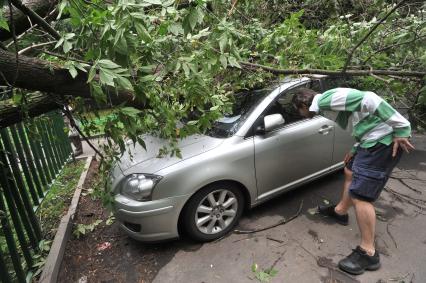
(213, 211)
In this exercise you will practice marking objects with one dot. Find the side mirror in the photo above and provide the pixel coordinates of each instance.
(273, 121)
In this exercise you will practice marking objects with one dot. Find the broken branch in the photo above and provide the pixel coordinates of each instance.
(283, 221)
(335, 73)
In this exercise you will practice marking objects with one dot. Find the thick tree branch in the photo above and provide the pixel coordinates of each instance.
(37, 104)
(36, 18)
(351, 53)
(41, 7)
(39, 75)
(403, 73)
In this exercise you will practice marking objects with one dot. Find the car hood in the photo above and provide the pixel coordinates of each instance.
(138, 160)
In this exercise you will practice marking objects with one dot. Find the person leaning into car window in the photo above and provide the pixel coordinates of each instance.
(381, 135)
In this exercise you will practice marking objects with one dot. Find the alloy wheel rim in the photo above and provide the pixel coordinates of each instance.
(216, 211)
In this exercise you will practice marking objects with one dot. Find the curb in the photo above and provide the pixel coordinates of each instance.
(54, 259)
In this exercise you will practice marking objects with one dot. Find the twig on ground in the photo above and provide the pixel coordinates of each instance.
(400, 278)
(405, 198)
(283, 221)
(410, 187)
(247, 238)
(275, 240)
(277, 260)
(390, 234)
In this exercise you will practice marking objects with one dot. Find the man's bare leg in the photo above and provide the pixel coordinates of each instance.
(345, 202)
(366, 218)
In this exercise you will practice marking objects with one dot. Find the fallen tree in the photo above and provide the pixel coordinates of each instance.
(188, 59)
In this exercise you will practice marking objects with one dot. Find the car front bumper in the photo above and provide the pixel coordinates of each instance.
(149, 221)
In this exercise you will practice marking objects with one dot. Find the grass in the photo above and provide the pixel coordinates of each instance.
(56, 202)
(95, 124)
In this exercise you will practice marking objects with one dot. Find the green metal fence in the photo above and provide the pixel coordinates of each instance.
(31, 156)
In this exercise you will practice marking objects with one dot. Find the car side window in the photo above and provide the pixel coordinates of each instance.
(282, 104)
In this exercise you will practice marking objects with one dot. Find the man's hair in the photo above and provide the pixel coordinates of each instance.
(303, 96)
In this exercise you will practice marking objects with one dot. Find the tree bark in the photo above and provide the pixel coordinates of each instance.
(37, 104)
(41, 7)
(39, 75)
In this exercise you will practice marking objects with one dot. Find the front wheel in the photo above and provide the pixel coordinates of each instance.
(213, 211)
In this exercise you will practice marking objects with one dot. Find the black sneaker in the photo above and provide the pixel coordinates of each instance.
(359, 261)
(328, 210)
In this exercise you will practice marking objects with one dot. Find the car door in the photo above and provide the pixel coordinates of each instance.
(301, 147)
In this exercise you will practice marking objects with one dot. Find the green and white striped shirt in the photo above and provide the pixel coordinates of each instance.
(373, 119)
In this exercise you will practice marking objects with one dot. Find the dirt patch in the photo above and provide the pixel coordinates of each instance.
(107, 254)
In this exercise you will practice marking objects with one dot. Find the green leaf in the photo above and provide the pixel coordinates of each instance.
(124, 83)
(67, 46)
(176, 29)
(17, 98)
(106, 77)
(92, 74)
(223, 40)
(223, 61)
(59, 43)
(106, 63)
(3, 21)
(233, 62)
(154, 2)
(73, 71)
(147, 69)
(130, 111)
(147, 78)
(142, 32)
(98, 93)
(195, 16)
(29, 277)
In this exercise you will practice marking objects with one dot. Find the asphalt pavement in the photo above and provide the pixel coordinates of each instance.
(308, 248)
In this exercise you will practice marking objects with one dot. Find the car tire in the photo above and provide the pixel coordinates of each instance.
(225, 213)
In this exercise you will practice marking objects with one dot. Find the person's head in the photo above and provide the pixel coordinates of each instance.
(302, 100)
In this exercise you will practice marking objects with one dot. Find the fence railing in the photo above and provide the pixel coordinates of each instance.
(31, 156)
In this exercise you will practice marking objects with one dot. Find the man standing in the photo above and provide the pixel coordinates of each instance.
(381, 134)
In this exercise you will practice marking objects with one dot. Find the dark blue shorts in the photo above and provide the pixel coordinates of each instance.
(371, 169)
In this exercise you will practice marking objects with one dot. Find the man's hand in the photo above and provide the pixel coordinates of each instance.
(348, 157)
(404, 143)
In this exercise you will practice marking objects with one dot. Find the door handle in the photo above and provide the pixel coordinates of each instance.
(325, 129)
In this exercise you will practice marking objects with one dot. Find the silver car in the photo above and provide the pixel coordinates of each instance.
(264, 148)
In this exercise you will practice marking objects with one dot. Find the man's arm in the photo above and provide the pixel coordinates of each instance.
(401, 126)
(350, 100)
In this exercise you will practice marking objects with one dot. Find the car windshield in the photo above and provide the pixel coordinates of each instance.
(244, 104)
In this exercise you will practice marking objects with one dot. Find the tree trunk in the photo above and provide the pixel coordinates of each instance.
(37, 104)
(39, 75)
(41, 7)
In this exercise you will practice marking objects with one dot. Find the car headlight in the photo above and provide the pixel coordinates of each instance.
(139, 186)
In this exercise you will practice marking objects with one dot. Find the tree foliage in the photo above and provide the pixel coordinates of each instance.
(182, 60)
